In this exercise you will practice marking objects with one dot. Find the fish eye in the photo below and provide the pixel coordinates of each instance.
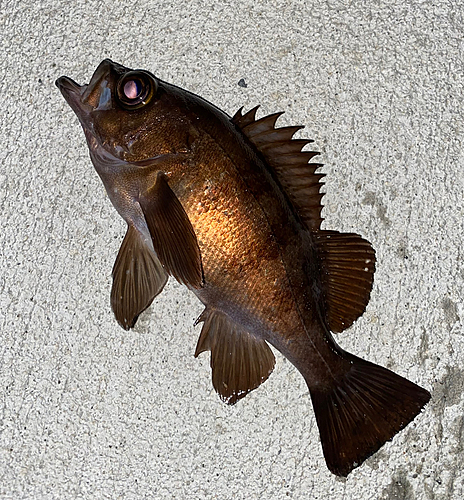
(136, 89)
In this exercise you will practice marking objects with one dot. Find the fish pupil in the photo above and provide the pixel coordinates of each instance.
(132, 89)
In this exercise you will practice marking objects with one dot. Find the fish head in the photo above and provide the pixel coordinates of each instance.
(126, 114)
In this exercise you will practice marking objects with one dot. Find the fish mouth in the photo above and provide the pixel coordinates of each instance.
(72, 92)
(96, 96)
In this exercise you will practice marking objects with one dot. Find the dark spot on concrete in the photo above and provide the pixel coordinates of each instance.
(381, 214)
(402, 251)
(424, 345)
(399, 489)
(451, 311)
(447, 391)
(371, 199)
(242, 83)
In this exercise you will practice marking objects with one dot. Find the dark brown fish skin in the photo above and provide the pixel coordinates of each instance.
(257, 264)
(269, 300)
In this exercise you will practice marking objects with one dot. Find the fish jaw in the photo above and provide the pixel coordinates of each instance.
(96, 96)
(73, 92)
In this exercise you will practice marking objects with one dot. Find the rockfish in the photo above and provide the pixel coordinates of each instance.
(231, 207)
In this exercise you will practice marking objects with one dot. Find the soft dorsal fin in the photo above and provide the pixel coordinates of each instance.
(347, 270)
(240, 361)
(347, 260)
(283, 154)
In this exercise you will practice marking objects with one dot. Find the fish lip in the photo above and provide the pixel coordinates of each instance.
(69, 88)
(72, 92)
(79, 97)
(67, 84)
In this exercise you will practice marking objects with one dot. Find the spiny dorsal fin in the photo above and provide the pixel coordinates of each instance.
(347, 269)
(240, 361)
(283, 154)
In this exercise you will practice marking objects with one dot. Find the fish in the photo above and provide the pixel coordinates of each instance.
(231, 208)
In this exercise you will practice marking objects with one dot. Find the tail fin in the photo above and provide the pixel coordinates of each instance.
(366, 409)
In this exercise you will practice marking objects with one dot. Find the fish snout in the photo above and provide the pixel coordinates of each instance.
(71, 90)
(66, 85)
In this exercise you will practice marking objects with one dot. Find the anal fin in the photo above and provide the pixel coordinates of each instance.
(240, 361)
(138, 277)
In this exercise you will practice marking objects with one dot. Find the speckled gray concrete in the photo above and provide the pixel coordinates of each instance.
(91, 411)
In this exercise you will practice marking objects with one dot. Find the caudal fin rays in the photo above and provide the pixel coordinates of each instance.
(362, 411)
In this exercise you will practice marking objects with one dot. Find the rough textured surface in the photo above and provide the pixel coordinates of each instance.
(91, 411)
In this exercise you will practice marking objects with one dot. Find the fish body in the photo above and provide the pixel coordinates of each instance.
(231, 208)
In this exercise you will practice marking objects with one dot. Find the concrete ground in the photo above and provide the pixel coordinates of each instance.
(91, 411)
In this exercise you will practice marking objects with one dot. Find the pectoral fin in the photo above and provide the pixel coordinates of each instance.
(172, 233)
(240, 361)
(138, 277)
